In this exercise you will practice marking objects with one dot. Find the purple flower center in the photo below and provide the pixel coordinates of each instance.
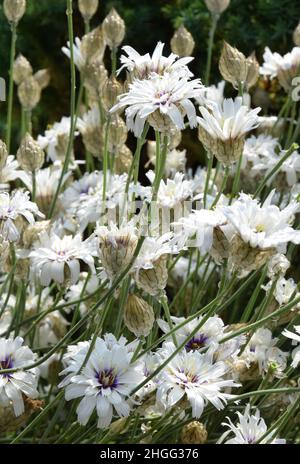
(107, 378)
(197, 342)
(6, 364)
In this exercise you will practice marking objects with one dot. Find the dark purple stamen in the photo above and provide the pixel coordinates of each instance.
(6, 364)
(107, 378)
(197, 342)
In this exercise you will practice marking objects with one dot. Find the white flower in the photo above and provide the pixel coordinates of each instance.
(56, 139)
(213, 94)
(143, 66)
(195, 376)
(89, 120)
(258, 150)
(284, 67)
(105, 382)
(153, 248)
(11, 172)
(169, 95)
(174, 191)
(12, 207)
(248, 430)
(51, 255)
(79, 57)
(229, 120)
(295, 337)
(262, 226)
(12, 385)
(283, 291)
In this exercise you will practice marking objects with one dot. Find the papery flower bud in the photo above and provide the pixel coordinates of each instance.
(160, 122)
(92, 138)
(9, 423)
(175, 137)
(217, 6)
(22, 69)
(245, 258)
(233, 65)
(29, 93)
(153, 280)
(278, 265)
(194, 433)
(113, 29)
(93, 45)
(226, 151)
(88, 8)
(138, 316)
(110, 92)
(94, 77)
(31, 233)
(117, 134)
(116, 248)
(14, 10)
(54, 369)
(4, 249)
(3, 154)
(220, 247)
(296, 36)
(253, 71)
(30, 155)
(42, 77)
(123, 160)
(182, 42)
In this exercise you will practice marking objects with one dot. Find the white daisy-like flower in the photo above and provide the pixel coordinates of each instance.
(12, 385)
(105, 382)
(195, 376)
(90, 119)
(257, 149)
(173, 192)
(79, 57)
(213, 93)
(58, 259)
(284, 290)
(284, 67)
(295, 337)
(163, 101)
(175, 160)
(263, 225)
(13, 207)
(144, 66)
(55, 140)
(249, 429)
(230, 120)
(11, 172)
(154, 248)
(290, 167)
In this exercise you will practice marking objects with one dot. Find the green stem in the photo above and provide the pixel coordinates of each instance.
(223, 186)
(11, 85)
(215, 18)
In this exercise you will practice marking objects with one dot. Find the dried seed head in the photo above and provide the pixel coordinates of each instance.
(226, 151)
(43, 78)
(3, 154)
(4, 249)
(14, 10)
(123, 160)
(161, 122)
(93, 140)
(220, 247)
(88, 8)
(94, 75)
(175, 137)
(113, 29)
(29, 93)
(245, 259)
(217, 6)
(30, 155)
(253, 71)
(194, 433)
(9, 423)
(93, 45)
(182, 42)
(233, 65)
(117, 134)
(138, 316)
(22, 69)
(154, 280)
(116, 248)
(296, 36)
(31, 233)
(110, 92)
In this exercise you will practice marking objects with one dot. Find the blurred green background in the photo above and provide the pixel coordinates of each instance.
(249, 25)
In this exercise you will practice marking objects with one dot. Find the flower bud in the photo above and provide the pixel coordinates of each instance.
(296, 36)
(113, 29)
(110, 92)
(116, 248)
(117, 134)
(193, 433)
(182, 42)
(93, 45)
(29, 93)
(88, 8)
(94, 76)
(31, 233)
(14, 10)
(217, 6)
(138, 316)
(245, 258)
(220, 247)
(154, 280)
(42, 77)
(3, 154)
(92, 138)
(22, 69)
(123, 160)
(160, 122)
(30, 155)
(253, 71)
(226, 151)
(233, 65)
(4, 249)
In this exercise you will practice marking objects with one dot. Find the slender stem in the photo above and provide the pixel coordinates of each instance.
(72, 106)
(215, 18)
(113, 61)
(223, 186)
(164, 302)
(208, 174)
(33, 192)
(11, 85)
